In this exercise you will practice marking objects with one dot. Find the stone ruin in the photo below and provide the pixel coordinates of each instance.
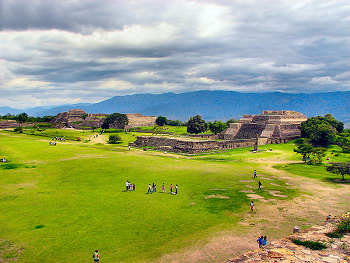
(75, 119)
(269, 127)
(251, 131)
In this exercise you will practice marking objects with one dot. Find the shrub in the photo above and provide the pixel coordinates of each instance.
(310, 244)
(334, 234)
(344, 225)
(115, 138)
(18, 129)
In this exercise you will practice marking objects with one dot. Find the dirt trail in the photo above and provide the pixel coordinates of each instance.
(273, 218)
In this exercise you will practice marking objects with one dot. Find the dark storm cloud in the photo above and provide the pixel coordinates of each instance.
(104, 48)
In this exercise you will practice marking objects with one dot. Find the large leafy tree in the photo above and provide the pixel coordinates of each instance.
(21, 118)
(161, 121)
(305, 149)
(117, 118)
(217, 126)
(196, 125)
(321, 130)
(339, 168)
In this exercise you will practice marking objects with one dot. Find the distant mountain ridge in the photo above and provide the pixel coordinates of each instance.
(211, 105)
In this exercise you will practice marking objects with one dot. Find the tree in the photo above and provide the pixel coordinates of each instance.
(161, 121)
(21, 118)
(339, 168)
(175, 123)
(196, 125)
(115, 118)
(305, 149)
(115, 138)
(233, 120)
(217, 127)
(317, 155)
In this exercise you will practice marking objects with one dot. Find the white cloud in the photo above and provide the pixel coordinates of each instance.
(86, 51)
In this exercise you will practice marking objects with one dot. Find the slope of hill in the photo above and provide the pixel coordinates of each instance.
(220, 105)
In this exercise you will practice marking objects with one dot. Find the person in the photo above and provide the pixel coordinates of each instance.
(265, 241)
(171, 188)
(96, 256)
(133, 187)
(129, 147)
(259, 188)
(149, 189)
(252, 206)
(254, 173)
(163, 188)
(176, 187)
(3, 160)
(127, 185)
(153, 187)
(328, 217)
(130, 187)
(260, 241)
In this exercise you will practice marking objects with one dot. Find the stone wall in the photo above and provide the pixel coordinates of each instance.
(189, 145)
(8, 124)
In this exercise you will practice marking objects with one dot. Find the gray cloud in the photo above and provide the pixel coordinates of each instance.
(99, 49)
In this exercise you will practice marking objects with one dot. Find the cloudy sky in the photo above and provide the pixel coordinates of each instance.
(56, 52)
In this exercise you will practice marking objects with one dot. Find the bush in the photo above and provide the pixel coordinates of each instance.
(334, 235)
(310, 244)
(18, 129)
(115, 138)
(344, 225)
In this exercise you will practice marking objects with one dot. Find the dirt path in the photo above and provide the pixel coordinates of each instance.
(273, 218)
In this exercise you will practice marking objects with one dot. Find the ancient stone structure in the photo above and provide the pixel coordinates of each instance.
(251, 131)
(69, 118)
(8, 124)
(75, 119)
(138, 120)
(190, 145)
(270, 127)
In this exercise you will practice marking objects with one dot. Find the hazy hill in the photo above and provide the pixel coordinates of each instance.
(220, 105)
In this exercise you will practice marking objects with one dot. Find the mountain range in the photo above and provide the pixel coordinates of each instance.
(211, 105)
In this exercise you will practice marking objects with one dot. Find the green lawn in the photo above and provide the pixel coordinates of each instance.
(71, 198)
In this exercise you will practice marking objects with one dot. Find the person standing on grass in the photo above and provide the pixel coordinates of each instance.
(171, 188)
(96, 256)
(127, 185)
(254, 173)
(176, 187)
(149, 189)
(163, 188)
(252, 206)
(259, 188)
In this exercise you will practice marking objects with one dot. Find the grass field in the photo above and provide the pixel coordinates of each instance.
(63, 202)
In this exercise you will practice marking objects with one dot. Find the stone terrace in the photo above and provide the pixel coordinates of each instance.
(284, 250)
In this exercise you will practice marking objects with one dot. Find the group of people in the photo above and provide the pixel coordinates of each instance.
(62, 139)
(262, 241)
(255, 176)
(53, 143)
(129, 186)
(153, 189)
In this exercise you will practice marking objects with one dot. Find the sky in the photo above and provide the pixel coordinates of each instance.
(55, 52)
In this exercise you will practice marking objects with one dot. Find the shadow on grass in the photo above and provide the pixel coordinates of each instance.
(337, 180)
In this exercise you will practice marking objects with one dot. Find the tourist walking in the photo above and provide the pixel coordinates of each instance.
(176, 187)
(127, 185)
(149, 189)
(252, 206)
(163, 188)
(254, 173)
(171, 188)
(96, 256)
(265, 241)
(259, 184)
